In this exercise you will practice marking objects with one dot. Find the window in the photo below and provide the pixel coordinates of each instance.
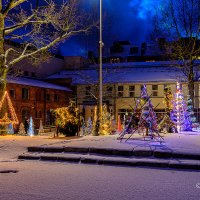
(25, 93)
(56, 98)
(12, 93)
(120, 91)
(48, 97)
(154, 90)
(109, 90)
(131, 90)
(88, 91)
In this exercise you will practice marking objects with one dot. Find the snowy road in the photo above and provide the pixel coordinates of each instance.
(38, 180)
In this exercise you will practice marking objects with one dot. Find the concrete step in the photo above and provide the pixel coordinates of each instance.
(139, 152)
(113, 160)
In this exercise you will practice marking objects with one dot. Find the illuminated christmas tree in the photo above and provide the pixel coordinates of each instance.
(31, 127)
(21, 130)
(41, 128)
(106, 122)
(7, 111)
(10, 129)
(89, 126)
(82, 129)
(148, 117)
(67, 120)
(178, 114)
(166, 123)
(190, 115)
(95, 123)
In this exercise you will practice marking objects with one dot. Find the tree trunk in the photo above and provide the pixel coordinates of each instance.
(3, 69)
(191, 84)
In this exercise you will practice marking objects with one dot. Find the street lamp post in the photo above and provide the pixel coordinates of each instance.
(100, 68)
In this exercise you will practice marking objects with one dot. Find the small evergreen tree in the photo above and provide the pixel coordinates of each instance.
(166, 122)
(67, 120)
(190, 114)
(89, 126)
(179, 113)
(10, 129)
(41, 128)
(106, 122)
(31, 127)
(148, 117)
(21, 130)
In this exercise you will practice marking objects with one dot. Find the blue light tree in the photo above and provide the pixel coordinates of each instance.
(10, 129)
(190, 114)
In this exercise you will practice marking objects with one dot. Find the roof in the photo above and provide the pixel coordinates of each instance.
(35, 83)
(124, 73)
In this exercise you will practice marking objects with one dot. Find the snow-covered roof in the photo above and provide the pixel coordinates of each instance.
(121, 75)
(35, 83)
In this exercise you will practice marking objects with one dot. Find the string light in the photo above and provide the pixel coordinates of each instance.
(6, 120)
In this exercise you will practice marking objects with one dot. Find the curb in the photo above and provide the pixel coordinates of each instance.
(174, 164)
(118, 152)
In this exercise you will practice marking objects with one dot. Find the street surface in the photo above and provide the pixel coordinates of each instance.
(38, 180)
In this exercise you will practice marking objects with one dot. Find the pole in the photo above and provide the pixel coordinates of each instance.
(100, 69)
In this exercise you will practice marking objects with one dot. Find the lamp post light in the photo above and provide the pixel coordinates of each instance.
(100, 68)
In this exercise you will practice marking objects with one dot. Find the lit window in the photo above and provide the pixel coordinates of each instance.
(131, 91)
(154, 90)
(120, 91)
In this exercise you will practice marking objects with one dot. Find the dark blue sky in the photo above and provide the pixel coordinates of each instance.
(123, 20)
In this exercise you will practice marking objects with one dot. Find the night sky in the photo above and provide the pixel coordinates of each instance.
(123, 20)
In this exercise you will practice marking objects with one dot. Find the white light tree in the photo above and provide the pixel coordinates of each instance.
(36, 27)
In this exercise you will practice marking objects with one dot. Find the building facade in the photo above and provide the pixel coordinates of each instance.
(122, 83)
(36, 99)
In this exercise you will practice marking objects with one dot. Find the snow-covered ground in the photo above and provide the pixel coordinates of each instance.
(37, 180)
(12, 146)
(186, 142)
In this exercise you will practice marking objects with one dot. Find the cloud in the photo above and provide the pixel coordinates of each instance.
(123, 19)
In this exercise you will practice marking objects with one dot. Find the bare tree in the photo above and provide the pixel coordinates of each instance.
(179, 22)
(37, 28)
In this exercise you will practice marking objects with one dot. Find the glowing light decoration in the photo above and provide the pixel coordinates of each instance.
(21, 130)
(148, 116)
(89, 126)
(41, 128)
(31, 127)
(178, 112)
(10, 129)
(106, 123)
(12, 119)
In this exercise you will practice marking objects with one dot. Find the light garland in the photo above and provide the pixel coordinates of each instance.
(6, 120)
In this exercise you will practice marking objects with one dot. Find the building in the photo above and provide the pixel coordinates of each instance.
(35, 98)
(122, 84)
